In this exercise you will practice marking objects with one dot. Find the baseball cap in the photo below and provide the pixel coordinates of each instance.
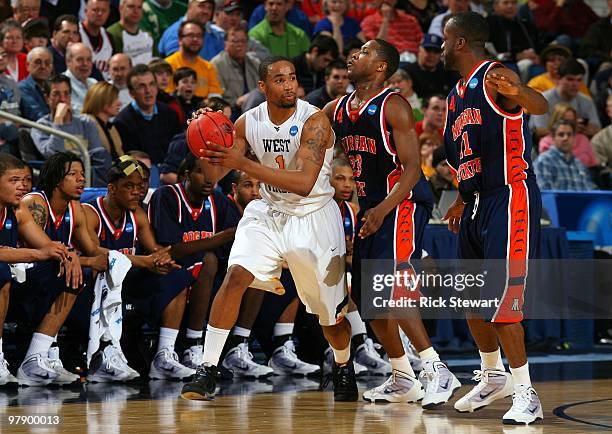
(431, 41)
(231, 6)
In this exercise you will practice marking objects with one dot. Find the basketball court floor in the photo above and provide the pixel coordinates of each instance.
(576, 391)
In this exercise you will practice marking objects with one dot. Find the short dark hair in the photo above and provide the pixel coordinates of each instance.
(269, 61)
(235, 30)
(335, 64)
(324, 44)
(140, 69)
(160, 65)
(571, 67)
(187, 164)
(350, 45)
(9, 162)
(390, 55)
(216, 103)
(54, 170)
(56, 79)
(560, 123)
(184, 72)
(427, 101)
(57, 24)
(186, 22)
(472, 27)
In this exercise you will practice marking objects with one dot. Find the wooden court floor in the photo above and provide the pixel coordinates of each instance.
(570, 407)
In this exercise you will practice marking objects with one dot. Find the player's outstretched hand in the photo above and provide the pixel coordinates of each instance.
(453, 215)
(231, 158)
(503, 83)
(372, 219)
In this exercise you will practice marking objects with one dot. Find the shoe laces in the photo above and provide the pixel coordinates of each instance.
(479, 375)
(244, 354)
(521, 400)
(288, 349)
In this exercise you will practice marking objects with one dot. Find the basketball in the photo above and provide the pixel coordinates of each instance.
(211, 127)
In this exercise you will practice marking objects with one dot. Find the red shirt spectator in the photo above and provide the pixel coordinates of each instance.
(403, 30)
(359, 9)
(314, 10)
(571, 17)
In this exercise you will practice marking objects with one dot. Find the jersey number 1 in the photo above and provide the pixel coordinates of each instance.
(465, 146)
(280, 160)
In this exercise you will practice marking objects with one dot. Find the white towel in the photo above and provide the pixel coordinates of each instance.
(106, 314)
(18, 271)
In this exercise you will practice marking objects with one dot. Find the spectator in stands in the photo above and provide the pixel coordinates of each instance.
(127, 35)
(552, 57)
(145, 124)
(434, 116)
(336, 24)
(275, 33)
(313, 10)
(557, 168)
(62, 117)
(79, 62)
(394, 26)
(602, 141)
(571, 18)
(310, 66)
(229, 16)
(118, 68)
(423, 10)
(336, 83)
(40, 66)
(582, 146)
(101, 105)
(443, 177)
(571, 74)
(294, 15)
(65, 32)
(428, 74)
(454, 7)
(159, 15)
(236, 68)
(11, 39)
(29, 176)
(428, 143)
(95, 36)
(163, 76)
(9, 101)
(35, 33)
(402, 82)
(186, 79)
(53, 11)
(190, 41)
(596, 46)
(24, 10)
(202, 12)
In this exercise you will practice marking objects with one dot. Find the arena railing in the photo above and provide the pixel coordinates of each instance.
(66, 136)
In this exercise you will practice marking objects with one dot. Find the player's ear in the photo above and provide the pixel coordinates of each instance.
(262, 86)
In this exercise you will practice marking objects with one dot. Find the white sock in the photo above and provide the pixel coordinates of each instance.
(167, 338)
(402, 364)
(213, 344)
(242, 332)
(358, 327)
(194, 334)
(520, 377)
(429, 355)
(492, 360)
(0, 345)
(341, 357)
(283, 328)
(39, 344)
(106, 337)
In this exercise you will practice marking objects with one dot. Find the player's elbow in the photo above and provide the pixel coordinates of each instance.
(540, 107)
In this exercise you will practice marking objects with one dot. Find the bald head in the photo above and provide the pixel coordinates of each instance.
(79, 60)
(118, 68)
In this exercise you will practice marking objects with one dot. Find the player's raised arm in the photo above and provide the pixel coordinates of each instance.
(505, 86)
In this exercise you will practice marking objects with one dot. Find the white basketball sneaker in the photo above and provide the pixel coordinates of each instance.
(526, 408)
(109, 365)
(441, 384)
(63, 376)
(166, 366)
(399, 387)
(193, 356)
(328, 362)
(36, 371)
(411, 352)
(492, 385)
(5, 375)
(366, 355)
(240, 360)
(284, 361)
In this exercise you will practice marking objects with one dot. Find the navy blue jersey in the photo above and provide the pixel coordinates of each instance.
(174, 219)
(349, 219)
(486, 146)
(58, 227)
(9, 232)
(123, 237)
(370, 147)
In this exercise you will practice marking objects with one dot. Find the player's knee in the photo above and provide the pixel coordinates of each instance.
(237, 280)
(210, 265)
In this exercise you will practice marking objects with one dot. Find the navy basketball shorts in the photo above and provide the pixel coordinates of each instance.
(398, 240)
(5, 274)
(502, 224)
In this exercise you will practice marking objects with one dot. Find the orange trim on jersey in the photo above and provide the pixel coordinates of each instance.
(404, 246)
(510, 309)
(500, 111)
(514, 149)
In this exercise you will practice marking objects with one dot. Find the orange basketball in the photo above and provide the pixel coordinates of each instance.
(211, 127)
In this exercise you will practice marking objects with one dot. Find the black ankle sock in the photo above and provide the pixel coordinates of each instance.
(192, 342)
(358, 340)
(104, 344)
(279, 341)
(234, 340)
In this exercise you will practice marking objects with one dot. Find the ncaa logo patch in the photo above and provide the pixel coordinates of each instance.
(67, 218)
(372, 109)
(8, 224)
(293, 130)
(473, 83)
(207, 204)
(129, 228)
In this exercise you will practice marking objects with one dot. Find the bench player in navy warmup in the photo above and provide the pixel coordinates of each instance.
(375, 127)
(497, 213)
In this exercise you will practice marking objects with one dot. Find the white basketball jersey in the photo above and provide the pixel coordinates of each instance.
(275, 146)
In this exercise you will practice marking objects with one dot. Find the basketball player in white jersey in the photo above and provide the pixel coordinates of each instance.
(297, 221)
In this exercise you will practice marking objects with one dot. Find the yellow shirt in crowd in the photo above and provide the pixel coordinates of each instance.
(208, 81)
(542, 83)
